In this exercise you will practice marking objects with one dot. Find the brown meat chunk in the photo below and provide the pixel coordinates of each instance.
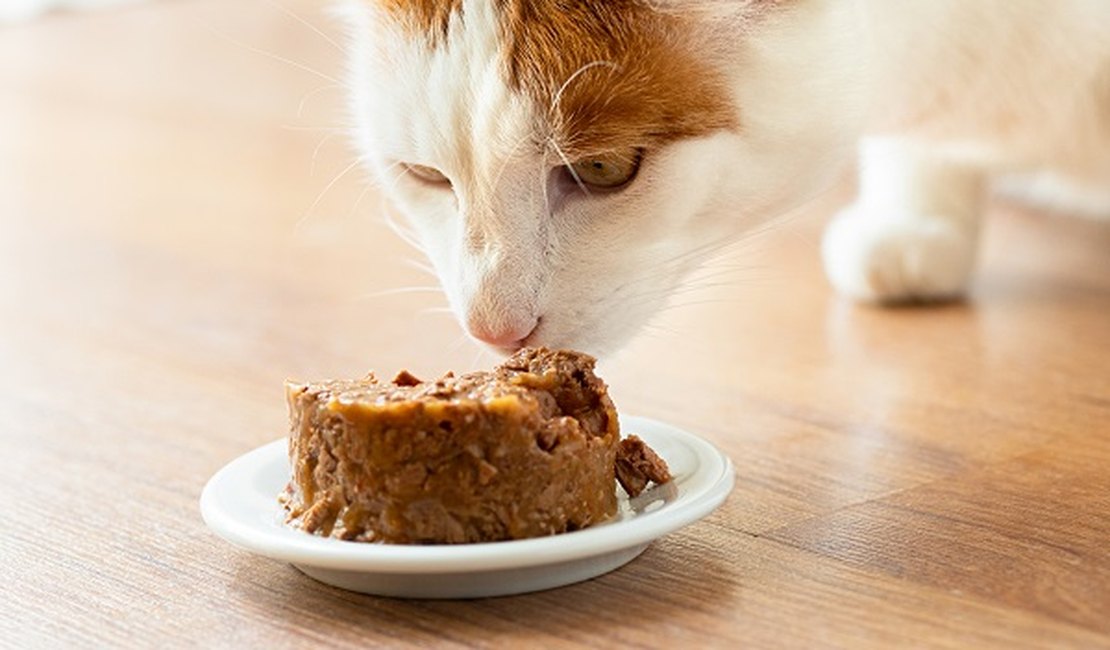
(525, 450)
(638, 465)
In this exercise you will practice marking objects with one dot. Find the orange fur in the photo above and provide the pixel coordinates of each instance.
(611, 75)
(428, 17)
(645, 85)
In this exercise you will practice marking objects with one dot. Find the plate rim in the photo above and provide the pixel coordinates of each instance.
(464, 558)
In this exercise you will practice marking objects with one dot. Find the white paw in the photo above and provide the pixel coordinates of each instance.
(898, 258)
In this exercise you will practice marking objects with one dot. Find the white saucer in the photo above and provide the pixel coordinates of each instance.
(240, 505)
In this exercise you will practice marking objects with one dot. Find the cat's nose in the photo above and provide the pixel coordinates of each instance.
(509, 336)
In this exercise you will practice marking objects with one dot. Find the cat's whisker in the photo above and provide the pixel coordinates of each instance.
(689, 344)
(478, 357)
(569, 166)
(701, 252)
(653, 280)
(554, 108)
(366, 187)
(338, 177)
(316, 153)
(543, 191)
(694, 283)
(773, 224)
(723, 259)
(458, 344)
(397, 292)
(732, 243)
(386, 180)
(653, 296)
(643, 299)
(419, 266)
(310, 94)
(726, 276)
(660, 329)
(390, 181)
(323, 129)
(437, 310)
(654, 293)
(705, 258)
(706, 274)
(689, 288)
(275, 57)
(696, 303)
(400, 231)
(292, 14)
(332, 131)
(734, 282)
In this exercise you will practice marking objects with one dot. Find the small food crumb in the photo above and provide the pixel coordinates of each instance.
(637, 465)
(406, 378)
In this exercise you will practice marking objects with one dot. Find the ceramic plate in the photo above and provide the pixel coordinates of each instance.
(240, 504)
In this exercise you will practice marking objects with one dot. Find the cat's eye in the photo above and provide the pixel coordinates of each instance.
(609, 170)
(428, 174)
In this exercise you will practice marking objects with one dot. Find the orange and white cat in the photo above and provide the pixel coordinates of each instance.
(566, 164)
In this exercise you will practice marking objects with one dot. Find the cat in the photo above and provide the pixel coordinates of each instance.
(565, 165)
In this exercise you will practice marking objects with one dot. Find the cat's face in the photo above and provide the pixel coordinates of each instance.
(566, 165)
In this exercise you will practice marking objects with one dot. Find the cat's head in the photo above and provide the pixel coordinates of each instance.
(566, 165)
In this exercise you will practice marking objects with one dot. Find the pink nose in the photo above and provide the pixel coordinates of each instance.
(502, 335)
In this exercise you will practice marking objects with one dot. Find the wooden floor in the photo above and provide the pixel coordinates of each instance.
(173, 246)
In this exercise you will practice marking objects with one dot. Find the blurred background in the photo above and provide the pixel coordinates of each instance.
(186, 162)
(209, 134)
(22, 10)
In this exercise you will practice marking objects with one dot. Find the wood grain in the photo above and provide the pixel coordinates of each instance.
(172, 247)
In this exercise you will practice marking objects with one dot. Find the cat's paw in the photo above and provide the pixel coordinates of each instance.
(898, 258)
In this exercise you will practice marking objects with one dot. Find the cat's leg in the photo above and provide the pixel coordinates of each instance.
(1057, 193)
(912, 234)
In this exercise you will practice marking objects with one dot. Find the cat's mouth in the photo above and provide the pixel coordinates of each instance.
(544, 335)
(512, 347)
(507, 345)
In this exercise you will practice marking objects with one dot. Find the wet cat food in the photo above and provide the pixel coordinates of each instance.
(528, 449)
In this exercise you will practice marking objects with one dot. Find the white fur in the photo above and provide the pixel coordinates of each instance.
(951, 89)
(452, 111)
(913, 231)
(1057, 193)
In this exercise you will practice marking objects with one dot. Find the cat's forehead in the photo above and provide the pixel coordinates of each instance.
(601, 74)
